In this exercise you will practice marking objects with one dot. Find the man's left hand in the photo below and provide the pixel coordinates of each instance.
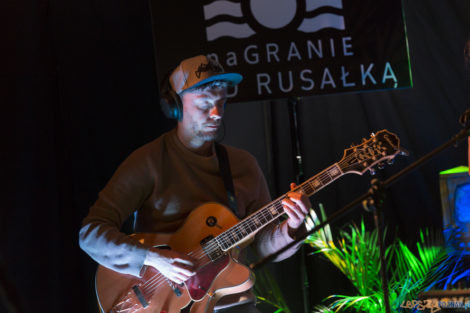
(296, 206)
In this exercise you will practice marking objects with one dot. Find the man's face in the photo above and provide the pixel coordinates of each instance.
(203, 112)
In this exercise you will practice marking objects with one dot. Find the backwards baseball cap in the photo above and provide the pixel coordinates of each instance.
(199, 70)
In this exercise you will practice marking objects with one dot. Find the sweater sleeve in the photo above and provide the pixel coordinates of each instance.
(100, 235)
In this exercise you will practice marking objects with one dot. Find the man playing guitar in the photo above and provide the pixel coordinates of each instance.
(163, 181)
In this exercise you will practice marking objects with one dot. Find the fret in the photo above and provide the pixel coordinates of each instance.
(279, 209)
(334, 171)
(263, 219)
(241, 232)
(325, 179)
(322, 179)
(229, 239)
(251, 225)
(307, 189)
(247, 227)
(235, 235)
(273, 211)
(316, 183)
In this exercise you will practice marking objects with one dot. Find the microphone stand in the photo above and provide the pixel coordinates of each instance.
(374, 203)
(299, 177)
(373, 197)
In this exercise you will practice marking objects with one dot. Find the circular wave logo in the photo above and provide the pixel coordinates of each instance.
(243, 19)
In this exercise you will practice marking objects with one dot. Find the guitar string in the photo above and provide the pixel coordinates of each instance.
(159, 279)
(197, 254)
(214, 245)
(156, 280)
(235, 232)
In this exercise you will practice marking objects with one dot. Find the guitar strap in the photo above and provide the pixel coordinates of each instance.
(226, 174)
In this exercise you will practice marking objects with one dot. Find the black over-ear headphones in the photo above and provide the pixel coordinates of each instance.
(170, 102)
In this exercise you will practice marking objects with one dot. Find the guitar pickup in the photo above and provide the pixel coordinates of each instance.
(206, 240)
(140, 296)
(211, 248)
(215, 254)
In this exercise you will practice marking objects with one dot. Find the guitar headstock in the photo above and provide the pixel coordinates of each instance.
(381, 147)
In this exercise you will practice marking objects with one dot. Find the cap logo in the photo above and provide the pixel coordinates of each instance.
(209, 67)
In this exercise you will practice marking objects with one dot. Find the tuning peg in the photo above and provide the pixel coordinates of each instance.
(372, 134)
(380, 166)
(404, 152)
(372, 172)
(390, 161)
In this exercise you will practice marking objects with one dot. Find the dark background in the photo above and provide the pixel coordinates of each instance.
(78, 94)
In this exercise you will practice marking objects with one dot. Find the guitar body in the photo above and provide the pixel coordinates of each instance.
(153, 293)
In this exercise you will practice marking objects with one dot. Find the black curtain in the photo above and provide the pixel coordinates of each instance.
(79, 93)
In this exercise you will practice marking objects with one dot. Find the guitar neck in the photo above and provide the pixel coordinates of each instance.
(256, 221)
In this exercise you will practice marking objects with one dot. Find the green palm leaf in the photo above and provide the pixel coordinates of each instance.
(356, 255)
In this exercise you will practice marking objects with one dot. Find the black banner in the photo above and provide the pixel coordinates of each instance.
(289, 48)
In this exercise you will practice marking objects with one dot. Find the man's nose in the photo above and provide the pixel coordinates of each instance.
(216, 112)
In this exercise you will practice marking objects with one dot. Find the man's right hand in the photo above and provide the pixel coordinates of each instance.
(175, 266)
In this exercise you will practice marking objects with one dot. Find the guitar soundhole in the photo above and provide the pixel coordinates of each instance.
(199, 284)
(211, 221)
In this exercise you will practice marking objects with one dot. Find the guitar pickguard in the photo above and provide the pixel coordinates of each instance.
(199, 284)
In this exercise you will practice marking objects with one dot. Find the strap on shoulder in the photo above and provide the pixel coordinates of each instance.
(226, 174)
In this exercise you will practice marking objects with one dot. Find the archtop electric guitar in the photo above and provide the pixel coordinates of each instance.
(209, 234)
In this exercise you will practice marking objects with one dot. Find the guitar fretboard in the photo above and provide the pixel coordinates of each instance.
(273, 210)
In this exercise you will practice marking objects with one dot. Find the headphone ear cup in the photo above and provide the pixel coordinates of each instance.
(171, 105)
(170, 102)
(178, 107)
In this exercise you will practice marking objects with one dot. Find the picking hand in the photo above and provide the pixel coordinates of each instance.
(296, 206)
(175, 266)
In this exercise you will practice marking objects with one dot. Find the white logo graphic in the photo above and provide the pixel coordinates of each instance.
(271, 14)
